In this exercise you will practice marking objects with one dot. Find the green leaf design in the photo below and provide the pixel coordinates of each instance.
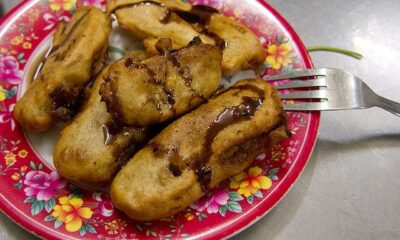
(222, 210)
(20, 56)
(90, 229)
(273, 171)
(40, 166)
(82, 231)
(13, 91)
(30, 200)
(234, 196)
(273, 177)
(250, 199)
(258, 194)
(76, 193)
(32, 165)
(37, 207)
(72, 10)
(184, 235)
(280, 38)
(48, 205)
(57, 224)
(116, 50)
(49, 218)
(288, 68)
(234, 207)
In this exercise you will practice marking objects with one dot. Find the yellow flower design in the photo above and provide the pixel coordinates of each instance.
(10, 159)
(16, 176)
(249, 183)
(27, 45)
(189, 216)
(115, 226)
(278, 153)
(23, 153)
(17, 40)
(56, 5)
(2, 94)
(279, 55)
(23, 168)
(71, 212)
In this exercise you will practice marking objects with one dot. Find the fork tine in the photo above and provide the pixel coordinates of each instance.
(301, 84)
(310, 106)
(298, 74)
(305, 94)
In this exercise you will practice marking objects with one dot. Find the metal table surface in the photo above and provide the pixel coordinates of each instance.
(351, 186)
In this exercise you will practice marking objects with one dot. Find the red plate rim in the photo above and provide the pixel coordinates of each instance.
(252, 217)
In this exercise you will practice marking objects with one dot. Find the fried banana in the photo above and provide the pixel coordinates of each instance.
(153, 20)
(78, 55)
(199, 150)
(92, 148)
(163, 87)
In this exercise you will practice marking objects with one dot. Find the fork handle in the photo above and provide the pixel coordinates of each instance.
(389, 105)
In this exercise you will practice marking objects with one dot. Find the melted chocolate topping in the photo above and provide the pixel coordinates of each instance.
(109, 95)
(232, 115)
(176, 164)
(125, 151)
(131, 63)
(66, 102)
(245, 111)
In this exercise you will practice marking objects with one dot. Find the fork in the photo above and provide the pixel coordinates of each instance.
(337, 90)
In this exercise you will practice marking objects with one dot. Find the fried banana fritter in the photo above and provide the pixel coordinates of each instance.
(145, 20)
(153, 20)
(163, 87)
(78, 55)
(196, 152)
(92, 148)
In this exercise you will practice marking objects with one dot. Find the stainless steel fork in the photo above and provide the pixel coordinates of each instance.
(336, 90)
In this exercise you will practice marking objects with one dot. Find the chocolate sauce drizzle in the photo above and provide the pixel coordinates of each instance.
(245, 111)
(122, 150)
(66, 102)
(229, 116)
(176, 163)
(131, 63)
(199, 16)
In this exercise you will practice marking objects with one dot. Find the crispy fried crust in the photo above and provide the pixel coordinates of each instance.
(196, 152)
(163, 87)
(152, 21)
(92, 148)
(78, 54)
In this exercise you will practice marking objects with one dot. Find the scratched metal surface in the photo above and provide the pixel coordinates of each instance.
(351, 187)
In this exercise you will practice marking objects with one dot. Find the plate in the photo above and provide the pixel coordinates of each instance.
(33, 194)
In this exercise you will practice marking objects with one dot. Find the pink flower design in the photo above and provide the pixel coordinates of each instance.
(211, 202)
(42, 185)
(95, 3)
(105, 205)
(9, 70)
(53, 19)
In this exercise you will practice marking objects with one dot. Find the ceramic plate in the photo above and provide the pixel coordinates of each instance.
(34, 195)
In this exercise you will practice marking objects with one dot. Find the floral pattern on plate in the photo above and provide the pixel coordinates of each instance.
(43, 202)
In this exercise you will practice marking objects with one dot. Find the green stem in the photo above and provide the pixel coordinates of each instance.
(336, 50)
